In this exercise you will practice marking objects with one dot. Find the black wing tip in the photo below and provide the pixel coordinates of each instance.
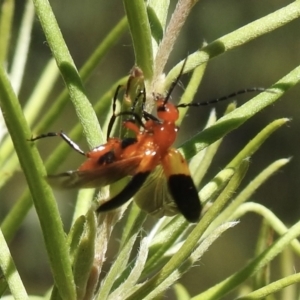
(126, 194)
(192, 218)
(186, 197)
(105, 207)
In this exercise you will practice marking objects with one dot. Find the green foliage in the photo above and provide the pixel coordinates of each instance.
(172, 246)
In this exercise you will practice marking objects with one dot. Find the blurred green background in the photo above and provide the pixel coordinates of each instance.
(259, 63)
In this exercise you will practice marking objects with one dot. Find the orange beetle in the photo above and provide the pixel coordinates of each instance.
(138, 156)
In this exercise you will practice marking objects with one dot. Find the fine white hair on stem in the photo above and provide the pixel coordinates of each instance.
(178, 18)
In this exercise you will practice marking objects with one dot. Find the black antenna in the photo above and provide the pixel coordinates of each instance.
(244, 91)
(134, 105)
(114, 116)
(132, 112)
(174, 83)
(135, 116)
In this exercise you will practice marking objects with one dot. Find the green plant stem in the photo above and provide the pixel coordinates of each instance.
(31, 111)
(6, 17)
(69, 72)
(22, 48)
(269, 216)
(222, 288)
(191, 90)
(61, 100)
(44, 201)
(246, 193)
(181, 292)
(204, 157)
(10, 272)
(84, 72)
(134, 222)
(287, 266)
(272, 288)
(16, 215)
(255, 143)
(192, 240)
(237, 38)
(157, 252)
(264, 239)
(192, 259)
(179, 16)
(240, 115)
(13, 220)
(141, 35)
(121, 261)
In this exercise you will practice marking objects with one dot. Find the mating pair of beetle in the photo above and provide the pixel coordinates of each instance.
(138, 157)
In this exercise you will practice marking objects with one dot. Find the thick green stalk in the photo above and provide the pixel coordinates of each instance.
(141, 35)
(69, 72)
(16, 215)
(43, 198)
(61, 100)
